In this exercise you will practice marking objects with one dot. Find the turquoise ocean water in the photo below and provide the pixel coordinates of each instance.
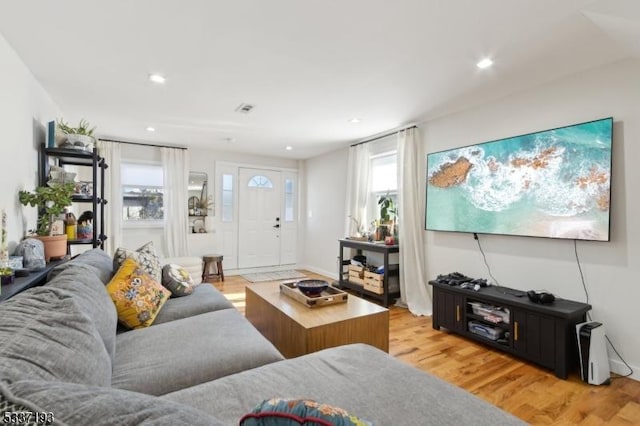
(560, 188)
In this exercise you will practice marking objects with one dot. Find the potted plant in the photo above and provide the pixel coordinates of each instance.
(78, 137)
(51, 202)
(388, 213)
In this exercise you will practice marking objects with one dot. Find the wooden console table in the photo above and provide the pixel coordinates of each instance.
(34, 279)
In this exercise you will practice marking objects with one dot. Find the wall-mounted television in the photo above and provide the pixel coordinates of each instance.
(553, 183)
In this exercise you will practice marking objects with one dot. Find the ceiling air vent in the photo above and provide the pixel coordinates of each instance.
(245, 108)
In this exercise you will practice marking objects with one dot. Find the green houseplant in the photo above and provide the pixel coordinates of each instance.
(80, 136)
(387, 209)
(51, 202)
(388, 212)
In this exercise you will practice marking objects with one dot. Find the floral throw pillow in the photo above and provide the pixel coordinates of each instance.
(145, 256)
(137, 296)
(177, 280)
(295, 412)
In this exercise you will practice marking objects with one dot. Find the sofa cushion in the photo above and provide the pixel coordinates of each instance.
(182, 353)
(205, 298)
(296, 412)
(83, 282)
(45, 335)
(193, 265)
(96, 258)
(177, 280)
(74, 404)
(137, 296)
(359, 378)
(145, 256)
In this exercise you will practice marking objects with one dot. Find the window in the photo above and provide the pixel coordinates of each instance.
(142, 192)
(288, 200)
(384, 173)
(384, 181)
(227, 198)
(260, 181)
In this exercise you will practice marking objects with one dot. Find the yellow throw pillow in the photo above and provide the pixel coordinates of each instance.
(137, 296)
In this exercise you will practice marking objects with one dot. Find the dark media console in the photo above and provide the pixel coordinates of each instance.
(505, 319)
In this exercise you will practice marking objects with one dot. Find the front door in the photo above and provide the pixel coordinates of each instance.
(260, 198)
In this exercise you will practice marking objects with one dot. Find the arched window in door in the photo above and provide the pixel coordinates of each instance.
(260, 181)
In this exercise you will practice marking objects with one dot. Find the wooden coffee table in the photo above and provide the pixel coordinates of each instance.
(297, 330)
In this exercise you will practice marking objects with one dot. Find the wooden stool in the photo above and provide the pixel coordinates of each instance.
(212, 259)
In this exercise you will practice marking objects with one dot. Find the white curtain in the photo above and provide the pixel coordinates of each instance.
(175, 164)
(413, 284)
(112, 154)
(357, 188)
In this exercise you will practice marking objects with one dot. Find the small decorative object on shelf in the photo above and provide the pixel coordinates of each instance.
(58, 175)
(31, 250)
(85, 225)
(71, 226)
(84, 188)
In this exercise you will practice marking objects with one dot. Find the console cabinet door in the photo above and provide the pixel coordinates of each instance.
(449, 311)
(534, 337)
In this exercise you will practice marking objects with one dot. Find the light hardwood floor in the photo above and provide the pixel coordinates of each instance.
(529, 392)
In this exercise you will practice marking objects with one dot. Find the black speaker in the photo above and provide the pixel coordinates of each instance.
(542, 298)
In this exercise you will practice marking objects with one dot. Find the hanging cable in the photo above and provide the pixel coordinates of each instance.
(475, 236)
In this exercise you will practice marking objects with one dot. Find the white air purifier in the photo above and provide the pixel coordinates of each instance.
(592, 350)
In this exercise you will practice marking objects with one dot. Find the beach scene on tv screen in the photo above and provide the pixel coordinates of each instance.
(554, 183)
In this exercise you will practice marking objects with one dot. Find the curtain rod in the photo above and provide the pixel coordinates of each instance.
(142, 144)
(384, 135)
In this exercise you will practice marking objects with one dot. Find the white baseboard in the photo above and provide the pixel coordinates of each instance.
(333, 275)
(243, 271)
(618, 367)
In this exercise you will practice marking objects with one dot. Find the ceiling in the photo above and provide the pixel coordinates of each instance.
(307, 66)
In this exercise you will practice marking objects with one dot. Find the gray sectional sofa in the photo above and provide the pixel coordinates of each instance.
(200, 363)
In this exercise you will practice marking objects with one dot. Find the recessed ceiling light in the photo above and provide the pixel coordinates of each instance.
(288, 148)
(485, 63)
(355, 120)
(157, 78)
(151, 129)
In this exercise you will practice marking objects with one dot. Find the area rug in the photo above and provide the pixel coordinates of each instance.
(273, 276)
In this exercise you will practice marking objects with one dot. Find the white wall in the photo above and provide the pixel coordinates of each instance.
(25, 108)
(611, 269)
(324, 210)
(201, 160)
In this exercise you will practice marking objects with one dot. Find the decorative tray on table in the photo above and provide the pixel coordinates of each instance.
(328, 296)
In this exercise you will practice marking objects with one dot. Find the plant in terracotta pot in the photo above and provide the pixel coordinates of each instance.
(51, 202)
(80, 137)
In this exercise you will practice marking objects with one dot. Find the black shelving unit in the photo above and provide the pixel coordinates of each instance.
(392, 270)
(77, 157)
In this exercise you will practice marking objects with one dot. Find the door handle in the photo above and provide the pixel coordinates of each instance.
(276, 225)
